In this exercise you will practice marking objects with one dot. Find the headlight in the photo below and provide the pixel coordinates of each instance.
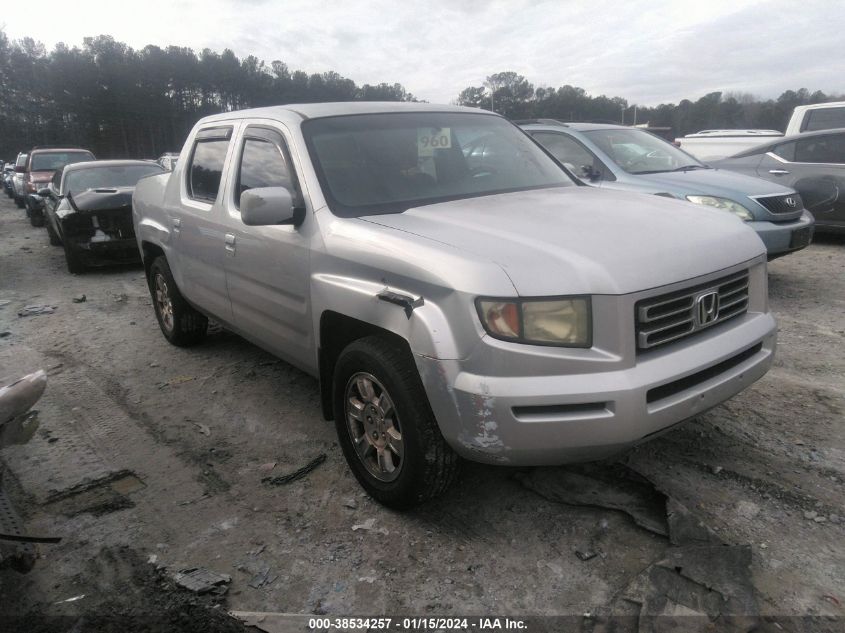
(723, 203)
(564, 321)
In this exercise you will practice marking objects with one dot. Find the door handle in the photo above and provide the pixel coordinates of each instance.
(230, 243)
(778, 172)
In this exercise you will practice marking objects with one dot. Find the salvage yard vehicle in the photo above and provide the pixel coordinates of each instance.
(813, 163)
(8, 174)
(18, 187)
(41, 164)
(450, 306)
(710, 145)
(630, 159)
(88, 211)
(816, 117)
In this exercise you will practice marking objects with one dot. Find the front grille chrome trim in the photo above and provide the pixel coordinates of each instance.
(666, 318)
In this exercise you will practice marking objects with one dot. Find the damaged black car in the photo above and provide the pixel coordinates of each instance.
(88, 211)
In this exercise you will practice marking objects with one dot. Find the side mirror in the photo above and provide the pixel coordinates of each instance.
(20, 169)
(44, 193)
(268, 206)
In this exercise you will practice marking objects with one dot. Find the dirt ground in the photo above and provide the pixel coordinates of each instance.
(148, 459)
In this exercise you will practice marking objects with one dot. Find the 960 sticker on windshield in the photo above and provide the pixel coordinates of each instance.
(430, 139)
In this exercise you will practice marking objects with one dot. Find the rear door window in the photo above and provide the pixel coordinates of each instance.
(785, 150)
(206, 167)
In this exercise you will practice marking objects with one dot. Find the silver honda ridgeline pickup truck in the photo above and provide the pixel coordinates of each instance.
(456, 293)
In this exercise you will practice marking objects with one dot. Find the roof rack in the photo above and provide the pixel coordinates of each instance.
(540, 122)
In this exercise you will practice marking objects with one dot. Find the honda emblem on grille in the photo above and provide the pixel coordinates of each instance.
(707, 308)
(790, 202)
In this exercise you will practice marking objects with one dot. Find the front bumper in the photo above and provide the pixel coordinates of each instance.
(607, 406)
(781, 238)
(113, 251)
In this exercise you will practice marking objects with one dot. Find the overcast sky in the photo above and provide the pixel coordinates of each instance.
(648, 51)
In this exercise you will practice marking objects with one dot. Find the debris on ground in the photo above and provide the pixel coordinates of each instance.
(202, 428)
(585, 554)
(350, 503)
(201, 580)
(80, 299)
(5, 333)
(698, 574)
(73, 599)
(260, 571)
(36, 310)
(266, 468)
(4, 303)
(297, 474)
(370, 526)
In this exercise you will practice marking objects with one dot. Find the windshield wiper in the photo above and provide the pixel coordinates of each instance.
(690, 167)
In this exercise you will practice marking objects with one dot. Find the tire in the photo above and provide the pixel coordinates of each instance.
(20, 202)
(424, 466)
(75, 263)
(36, 216)
(55, 240)
(181, 324)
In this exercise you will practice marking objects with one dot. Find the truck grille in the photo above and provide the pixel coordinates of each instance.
(672, 316)
(780, 204)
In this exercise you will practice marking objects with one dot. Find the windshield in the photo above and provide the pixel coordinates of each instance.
(639, 152)
(387, 163)
(108, 176)
(51, 161)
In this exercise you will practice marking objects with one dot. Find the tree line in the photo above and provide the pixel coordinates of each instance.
(512, 95)
(121, 102)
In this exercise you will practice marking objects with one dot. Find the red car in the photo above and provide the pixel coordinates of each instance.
(39, 168)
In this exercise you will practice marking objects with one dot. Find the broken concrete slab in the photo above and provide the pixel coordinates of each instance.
(201, 580)
(615, 487)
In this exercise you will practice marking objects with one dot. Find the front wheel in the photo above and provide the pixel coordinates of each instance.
(180, 323)
(55, 240)
(75, 263)
(385, 425)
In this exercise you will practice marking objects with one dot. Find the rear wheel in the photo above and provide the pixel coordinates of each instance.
(180, 323)
(385, 425)
(20, 202)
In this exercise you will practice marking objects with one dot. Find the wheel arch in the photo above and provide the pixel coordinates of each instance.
(337, 331)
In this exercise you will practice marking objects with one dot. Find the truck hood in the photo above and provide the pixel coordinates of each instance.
(578, 240)
(713, 182)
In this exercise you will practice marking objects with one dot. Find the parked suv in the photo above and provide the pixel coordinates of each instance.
(41, 164)
(619, 157)
(453, 289)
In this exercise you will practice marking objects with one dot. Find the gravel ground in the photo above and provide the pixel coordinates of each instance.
(148, 459)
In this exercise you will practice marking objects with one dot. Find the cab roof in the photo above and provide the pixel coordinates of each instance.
(297, 112)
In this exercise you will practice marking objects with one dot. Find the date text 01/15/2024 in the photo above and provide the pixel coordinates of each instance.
(415, 624)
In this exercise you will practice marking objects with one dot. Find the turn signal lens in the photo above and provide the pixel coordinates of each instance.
(501, 318)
